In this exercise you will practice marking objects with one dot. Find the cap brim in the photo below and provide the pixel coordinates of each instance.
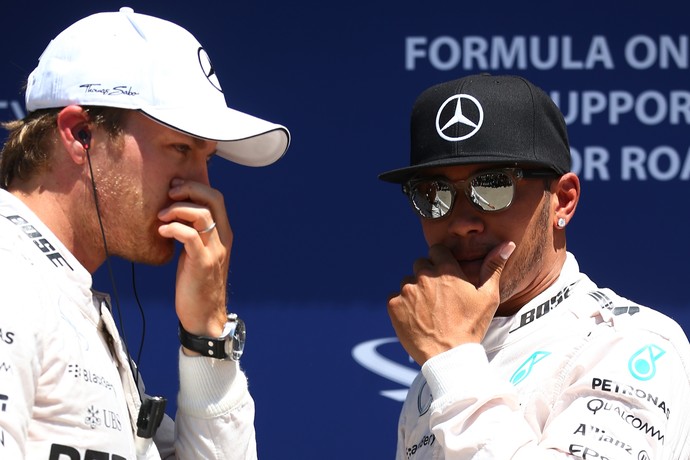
(402, 175)
(242, 138)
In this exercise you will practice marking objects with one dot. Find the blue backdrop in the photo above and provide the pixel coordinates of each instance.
(320, 242)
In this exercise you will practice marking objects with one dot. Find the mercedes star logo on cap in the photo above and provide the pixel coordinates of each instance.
(207, 68)
(471, 126)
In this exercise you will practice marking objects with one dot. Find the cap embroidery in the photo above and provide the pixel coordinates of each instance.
(114, 91)
(459, 118)
(207, 68)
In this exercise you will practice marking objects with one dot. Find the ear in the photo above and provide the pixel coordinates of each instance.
(74, 132)
(566, 194)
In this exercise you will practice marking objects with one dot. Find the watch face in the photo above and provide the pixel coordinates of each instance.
(239, 335)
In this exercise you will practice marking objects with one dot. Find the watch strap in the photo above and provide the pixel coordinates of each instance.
(216, 347)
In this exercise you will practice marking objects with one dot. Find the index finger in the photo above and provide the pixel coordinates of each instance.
(441, 255)
(203, 195)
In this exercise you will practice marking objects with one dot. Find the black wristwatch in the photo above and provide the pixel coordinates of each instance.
(228, 346)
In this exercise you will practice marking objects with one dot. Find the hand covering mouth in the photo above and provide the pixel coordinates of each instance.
(470, 257)
(471, 265)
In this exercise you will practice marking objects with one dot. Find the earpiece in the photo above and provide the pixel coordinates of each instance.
(84, 137)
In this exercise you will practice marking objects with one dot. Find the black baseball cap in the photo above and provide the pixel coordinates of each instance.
(485, 119)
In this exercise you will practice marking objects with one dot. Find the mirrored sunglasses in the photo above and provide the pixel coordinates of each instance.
(488, 191)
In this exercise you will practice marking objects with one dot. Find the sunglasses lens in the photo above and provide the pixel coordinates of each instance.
(432, 198)
(491, 191)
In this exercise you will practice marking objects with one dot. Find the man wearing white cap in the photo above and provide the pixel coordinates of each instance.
(124, 112)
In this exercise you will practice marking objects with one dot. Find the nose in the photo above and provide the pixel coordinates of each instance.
(196, 171)
(464, 218)
(197, 166)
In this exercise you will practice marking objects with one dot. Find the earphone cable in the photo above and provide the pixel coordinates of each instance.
(143, 316)
(116, 297)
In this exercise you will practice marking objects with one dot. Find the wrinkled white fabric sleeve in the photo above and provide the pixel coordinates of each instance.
(215, 412)
(474, 414)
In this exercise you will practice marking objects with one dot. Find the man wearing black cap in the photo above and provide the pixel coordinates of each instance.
(125, 111)
(522, 355)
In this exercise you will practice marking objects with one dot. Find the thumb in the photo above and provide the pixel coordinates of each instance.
(492, 267)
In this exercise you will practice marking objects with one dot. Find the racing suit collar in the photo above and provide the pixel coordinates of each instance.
(505, 330)
(46, 251)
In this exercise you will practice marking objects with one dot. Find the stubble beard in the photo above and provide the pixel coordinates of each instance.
(144, 244)
(131, 225)
(528, 259)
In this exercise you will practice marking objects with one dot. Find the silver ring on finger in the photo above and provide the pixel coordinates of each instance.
(207, 229)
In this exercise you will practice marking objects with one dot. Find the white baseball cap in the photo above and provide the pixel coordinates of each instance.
(134, 61)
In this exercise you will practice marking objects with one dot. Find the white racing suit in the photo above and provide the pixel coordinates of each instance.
(66, 386)
(578, 372)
